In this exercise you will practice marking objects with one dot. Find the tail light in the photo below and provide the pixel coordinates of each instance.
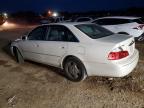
(117, 55)
(140, 27)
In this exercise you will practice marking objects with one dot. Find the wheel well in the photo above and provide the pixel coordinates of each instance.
(64, 60)
(123, 33)
(69, 56)
(14, 50)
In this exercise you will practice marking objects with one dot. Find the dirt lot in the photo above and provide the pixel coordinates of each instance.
(32, 85)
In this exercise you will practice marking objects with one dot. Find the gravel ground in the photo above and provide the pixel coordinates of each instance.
(33, 85)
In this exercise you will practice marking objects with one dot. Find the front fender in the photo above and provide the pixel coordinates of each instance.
(15, 44)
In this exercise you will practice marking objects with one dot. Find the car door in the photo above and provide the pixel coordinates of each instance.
(31, 48)
(55, 46)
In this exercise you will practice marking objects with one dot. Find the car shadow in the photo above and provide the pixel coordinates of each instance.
(58, 71)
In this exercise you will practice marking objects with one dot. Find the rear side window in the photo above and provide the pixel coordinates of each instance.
(111, 21)
(94, 31)
(55, 34)
(122, 21)
(61, 33)
(139, 21)
(100, 22)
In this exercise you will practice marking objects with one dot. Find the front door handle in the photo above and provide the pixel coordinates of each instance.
(62, 47)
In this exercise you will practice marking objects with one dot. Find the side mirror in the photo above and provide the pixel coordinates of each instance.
(24, 38)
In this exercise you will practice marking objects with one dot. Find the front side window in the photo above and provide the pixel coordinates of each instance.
(38, 33)
(61, 33)
(94, 31)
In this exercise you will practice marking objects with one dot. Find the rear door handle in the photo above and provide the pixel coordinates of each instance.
(36, 45)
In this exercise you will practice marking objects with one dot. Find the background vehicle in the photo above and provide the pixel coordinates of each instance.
(3, 18)
(83, 19)
(133, 26)
(81, 49)
(52, 20)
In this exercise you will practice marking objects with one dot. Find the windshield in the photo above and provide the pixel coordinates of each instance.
(94, 31)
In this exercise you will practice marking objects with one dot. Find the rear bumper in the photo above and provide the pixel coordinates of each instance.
(113, 69)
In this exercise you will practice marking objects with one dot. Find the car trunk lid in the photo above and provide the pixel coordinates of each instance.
(119, 42)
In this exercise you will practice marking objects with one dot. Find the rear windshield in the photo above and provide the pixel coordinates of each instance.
(94, 31)
(140, 20)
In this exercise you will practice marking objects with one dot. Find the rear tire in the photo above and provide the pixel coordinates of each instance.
(74, 69)
(18, 56)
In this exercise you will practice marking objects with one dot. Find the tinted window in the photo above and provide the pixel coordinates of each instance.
(140, 20)
(57, 20)
(71, 37)
(94, 31)
(38, 33)
(101, 22)
(61, 33)
(51, 20)
(83, 19)
(121, 21)
(111, 21)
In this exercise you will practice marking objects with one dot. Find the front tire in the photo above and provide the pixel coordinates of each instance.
(18, 56)
(74, 69)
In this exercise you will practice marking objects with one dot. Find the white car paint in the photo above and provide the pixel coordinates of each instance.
(93, 53)
(124, 28)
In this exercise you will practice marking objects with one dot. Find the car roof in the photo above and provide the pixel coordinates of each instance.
(69, 23)
(84, 17)
(120, 17)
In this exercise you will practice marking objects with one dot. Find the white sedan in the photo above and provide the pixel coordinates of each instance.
(81, 49)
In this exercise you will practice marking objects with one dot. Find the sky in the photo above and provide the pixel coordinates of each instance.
(67, 5)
